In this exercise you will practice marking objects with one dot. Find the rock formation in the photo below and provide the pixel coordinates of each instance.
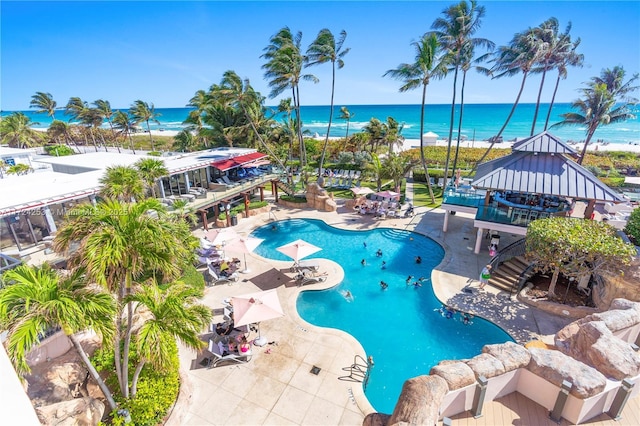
(77, 412)
(623, 285)
(318, 198)
(555, 367)
(511, 355)
(456, 374)
(419, 402)
(486, 365)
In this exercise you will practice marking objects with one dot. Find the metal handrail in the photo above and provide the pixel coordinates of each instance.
(522, 279)
(514, 249)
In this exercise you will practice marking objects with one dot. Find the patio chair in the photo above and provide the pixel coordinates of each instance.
(219, 354)
(226, 180)
(217, 279)
(305, 265)
(310, 277)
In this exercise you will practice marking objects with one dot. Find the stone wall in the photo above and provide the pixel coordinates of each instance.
(620, 286)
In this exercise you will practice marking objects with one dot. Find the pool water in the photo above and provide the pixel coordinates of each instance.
(401, 327)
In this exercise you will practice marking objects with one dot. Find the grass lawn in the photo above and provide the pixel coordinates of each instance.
(421, 195)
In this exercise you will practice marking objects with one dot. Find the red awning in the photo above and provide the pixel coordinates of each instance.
(238, 161)
(257, 163)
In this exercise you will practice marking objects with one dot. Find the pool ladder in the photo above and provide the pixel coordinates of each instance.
(359, 371)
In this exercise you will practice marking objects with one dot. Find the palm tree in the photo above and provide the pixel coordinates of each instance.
(283, 71)
(325, 49)
(45, 104)
(103, 108)
(565, 56)
(240, 93)
(125, 124)
(614, 80)
(16, 131)
(428, 64)
(123, 183)
(38, 299)
(520, 55)
(80, 111)
(596, 108)
(396, 167)
(142, 111)
(166, 315)
(122, 247)
(288, 128)
(150, 170)
(374, 130)
(345, 114)
(393, 133)
(454, 32)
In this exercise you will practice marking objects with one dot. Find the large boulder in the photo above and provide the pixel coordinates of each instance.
(77, 412)
(456, 374)
(319, 199)
(619, 285)
(625, 304)
(419, 402)
(59, 382)
(555, 367)
(486, 365)
(510, 354)
(595, 345)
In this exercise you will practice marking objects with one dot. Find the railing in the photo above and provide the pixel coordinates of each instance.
(522, 279)
(462, 198)
(514, 249)
(359, 371)
(8, 262)
(511, 216)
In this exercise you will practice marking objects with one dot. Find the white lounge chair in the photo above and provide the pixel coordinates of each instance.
(310, 277)
(217, 279)
(218, 355)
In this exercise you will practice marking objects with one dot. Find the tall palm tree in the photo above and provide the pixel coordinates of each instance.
(393, 133)
(596, 108)
(520, 55)
(143, 112)
(283, 70)
(428, 64)
(613, 78)
(122, 247)
(16, 131)
(288, 128)
(35, 299)
(123, 183)
(396, 167)
(325, 49)
(150, 170)
(455, 34)
(241, 93)
(80, 111)
(566, 56)
(345, 114)
(126, 125)
(45, 104)
(166, 315)
(103, 108)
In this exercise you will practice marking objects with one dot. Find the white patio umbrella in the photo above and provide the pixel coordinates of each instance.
(361, 190)
(244, 246)
(388, 194)
(256, 307)
(298, 249)
(221, 236)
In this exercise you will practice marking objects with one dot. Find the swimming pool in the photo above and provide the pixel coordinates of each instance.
(401, 326)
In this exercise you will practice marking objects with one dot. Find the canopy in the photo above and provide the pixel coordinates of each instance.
(361, 190)
(244, 245)
(238, 161)
(298, 249)
(255, 307)
(388, 194)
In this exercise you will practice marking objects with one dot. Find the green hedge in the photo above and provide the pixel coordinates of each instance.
(632, 229)
(58, 150)
(293, 199)
(240, 209)
(613, 182)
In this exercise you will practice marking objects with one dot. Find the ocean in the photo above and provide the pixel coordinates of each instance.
(480, 121)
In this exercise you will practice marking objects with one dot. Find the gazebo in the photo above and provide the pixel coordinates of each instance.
(537, 180)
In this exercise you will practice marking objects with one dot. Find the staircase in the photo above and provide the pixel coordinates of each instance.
(285, 187)
(506, 276)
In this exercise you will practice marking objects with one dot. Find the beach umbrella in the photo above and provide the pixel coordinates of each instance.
(256, 307)
(219, 237)
(244, 246)
(388, 194)
(361, 190)
(298, 249)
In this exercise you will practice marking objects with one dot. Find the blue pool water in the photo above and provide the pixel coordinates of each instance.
(401, 326)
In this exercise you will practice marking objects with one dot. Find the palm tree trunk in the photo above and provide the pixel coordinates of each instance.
(253, 126)
(422, 159)
(153, 148)
(303, 148)
(453, 114)
(94, 373)
(134, 379)
(347, 135)
(586, 143)
(93, 139)
(133, 148)
(535, 114)
(504, 126)
(553, 98)
(115, 138)
(326, 139)
(455, 157)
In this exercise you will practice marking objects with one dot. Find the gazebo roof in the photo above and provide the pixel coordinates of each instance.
(544, 142)
(548, 173)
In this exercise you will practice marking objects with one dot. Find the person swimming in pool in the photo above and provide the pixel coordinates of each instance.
(379, 253)
(383, 285)
(384, 265)
(363, 262)
(408, 281)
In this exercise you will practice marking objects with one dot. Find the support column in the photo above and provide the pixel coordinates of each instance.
(227, 208)
(205, 223)
(446, 221)
(186, 181)
(478, 397)
(588, 211)
(620, 400)
(556, 414)
(478, 240)
(246, 204)
(261, 193)
(48, 216)
(93, 200)
(216, 211)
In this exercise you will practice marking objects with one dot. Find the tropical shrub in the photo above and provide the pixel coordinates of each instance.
(58, 150)
(345, 158)
(613, 182)
(293, 199)
(360, 158)
(632, 229)
(154, 153)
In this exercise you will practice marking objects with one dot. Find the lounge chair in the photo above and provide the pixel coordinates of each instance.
(218, 355)
(226, 180)
(217, 279)
(310, 277)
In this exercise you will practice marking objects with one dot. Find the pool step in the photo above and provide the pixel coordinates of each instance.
(395, 234)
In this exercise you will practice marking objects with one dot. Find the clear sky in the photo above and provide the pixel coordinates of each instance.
(163, 52)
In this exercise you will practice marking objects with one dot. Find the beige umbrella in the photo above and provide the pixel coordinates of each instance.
(244, 246)
(256, 307)
(221, 236)
(361, 190)
(298, 249)
(388, 194)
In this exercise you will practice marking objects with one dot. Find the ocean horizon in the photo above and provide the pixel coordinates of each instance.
(480, 121)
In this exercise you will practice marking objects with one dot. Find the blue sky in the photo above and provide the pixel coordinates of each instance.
(163, 52)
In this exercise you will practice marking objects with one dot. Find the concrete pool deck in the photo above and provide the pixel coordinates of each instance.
(277, 388)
